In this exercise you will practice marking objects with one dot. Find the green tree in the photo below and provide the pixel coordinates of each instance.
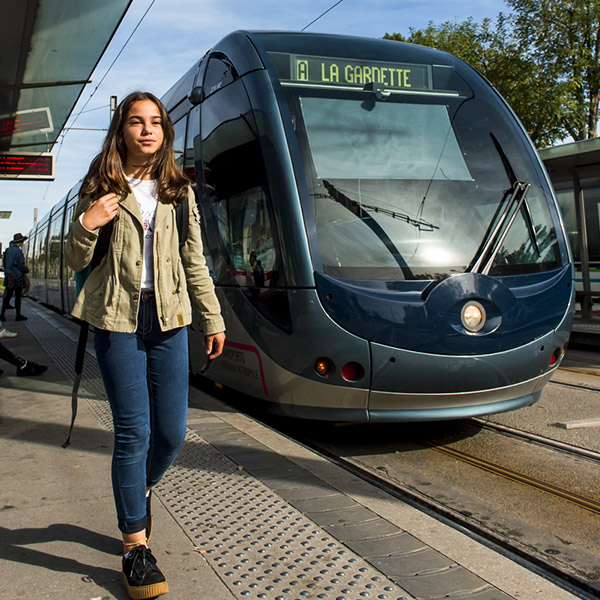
(563, 38)
(492, 49)
(543, 58)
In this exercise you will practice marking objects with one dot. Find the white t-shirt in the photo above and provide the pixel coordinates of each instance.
(147, 198)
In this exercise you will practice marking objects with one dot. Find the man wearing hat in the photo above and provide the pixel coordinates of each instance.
(14, 276)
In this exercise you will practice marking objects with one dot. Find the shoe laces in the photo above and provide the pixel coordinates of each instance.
(141, 558)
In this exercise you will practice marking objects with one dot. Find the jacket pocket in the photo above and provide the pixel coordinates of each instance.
(99, 289)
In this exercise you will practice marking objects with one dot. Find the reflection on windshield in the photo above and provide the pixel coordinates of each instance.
(410, 188)
(391, 141)
(361, 209)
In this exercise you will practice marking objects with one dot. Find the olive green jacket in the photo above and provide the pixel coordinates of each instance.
(110, 296)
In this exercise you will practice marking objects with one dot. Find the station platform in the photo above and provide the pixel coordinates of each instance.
(586, 331)
(245, 513)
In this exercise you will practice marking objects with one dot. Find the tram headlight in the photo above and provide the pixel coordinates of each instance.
(473, 316)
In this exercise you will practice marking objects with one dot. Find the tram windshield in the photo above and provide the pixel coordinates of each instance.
(410, 178)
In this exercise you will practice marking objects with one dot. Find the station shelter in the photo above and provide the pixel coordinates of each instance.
(49, 51)
(574, 169)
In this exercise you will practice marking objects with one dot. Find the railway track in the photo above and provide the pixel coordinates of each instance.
(443, 468)
(538, 439)
(545, 558)
(451, 465)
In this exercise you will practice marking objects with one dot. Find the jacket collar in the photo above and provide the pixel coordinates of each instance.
(130, 204)
(162, 210)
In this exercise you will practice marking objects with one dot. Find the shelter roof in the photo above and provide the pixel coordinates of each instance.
(48, 49)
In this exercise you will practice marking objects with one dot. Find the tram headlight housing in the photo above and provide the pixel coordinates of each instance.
(473, 316)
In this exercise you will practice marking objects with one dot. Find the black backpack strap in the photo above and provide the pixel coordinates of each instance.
(79, 356)
(102, 243)
(182, 216)
(101, 249)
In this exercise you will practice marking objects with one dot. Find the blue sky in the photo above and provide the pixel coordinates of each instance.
(172, 37)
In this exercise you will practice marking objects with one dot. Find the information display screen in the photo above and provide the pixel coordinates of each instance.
(351, 72)
(27, 122)
(26, 165)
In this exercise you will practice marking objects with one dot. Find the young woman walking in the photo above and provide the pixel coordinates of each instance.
(138, 300)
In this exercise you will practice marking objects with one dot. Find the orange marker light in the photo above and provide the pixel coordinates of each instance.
(324, 367)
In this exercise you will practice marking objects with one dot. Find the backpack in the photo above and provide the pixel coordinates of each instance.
(100, 251)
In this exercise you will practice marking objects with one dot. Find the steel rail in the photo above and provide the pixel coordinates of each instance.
(512, 475)
(538, 439)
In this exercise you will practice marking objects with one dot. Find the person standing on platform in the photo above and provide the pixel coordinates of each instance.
(25, 368)
(15, 270)
(138, 301)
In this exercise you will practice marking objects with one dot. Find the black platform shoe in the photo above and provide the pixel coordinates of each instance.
(141, 577)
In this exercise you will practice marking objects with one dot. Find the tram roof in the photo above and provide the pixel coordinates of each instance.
(49, 50)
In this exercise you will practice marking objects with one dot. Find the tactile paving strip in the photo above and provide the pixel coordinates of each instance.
(261, 546)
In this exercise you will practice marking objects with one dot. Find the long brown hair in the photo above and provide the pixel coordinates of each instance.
(106, 172)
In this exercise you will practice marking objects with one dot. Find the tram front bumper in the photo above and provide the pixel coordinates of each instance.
(395, 407)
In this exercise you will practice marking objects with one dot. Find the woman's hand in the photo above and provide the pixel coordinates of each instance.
(100, 212)
(214, 344)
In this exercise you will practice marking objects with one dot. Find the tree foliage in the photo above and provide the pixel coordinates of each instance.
(543, 58)
(563, 38)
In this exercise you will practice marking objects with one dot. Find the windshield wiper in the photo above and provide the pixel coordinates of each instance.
(354, 206)
(508, 209)
(358, 209)
(526, 211)
(418, 223)
(504, 217)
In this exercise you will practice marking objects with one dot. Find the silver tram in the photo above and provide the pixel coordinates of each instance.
(383, 236)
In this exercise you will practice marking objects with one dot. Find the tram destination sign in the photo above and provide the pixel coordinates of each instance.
(26, 165)
(351, 72)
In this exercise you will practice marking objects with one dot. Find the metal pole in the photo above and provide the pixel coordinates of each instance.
(113, 106)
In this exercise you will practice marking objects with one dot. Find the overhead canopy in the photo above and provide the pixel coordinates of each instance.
(576, 155)
(48, 50)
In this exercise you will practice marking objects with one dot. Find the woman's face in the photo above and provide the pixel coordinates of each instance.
(142, 132)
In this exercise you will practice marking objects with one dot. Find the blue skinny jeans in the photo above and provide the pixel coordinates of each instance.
(145, 375)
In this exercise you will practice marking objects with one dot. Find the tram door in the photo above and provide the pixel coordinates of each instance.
(53, 268)
(68, 275)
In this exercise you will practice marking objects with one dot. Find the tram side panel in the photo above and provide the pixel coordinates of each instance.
(251, 212)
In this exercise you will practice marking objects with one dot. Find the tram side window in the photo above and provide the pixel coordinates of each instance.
(179, 142)
(243, 243)
(219, 73)
(28, 251)
(39, 259)
(192, 132)
(68, 273)
(54, 242)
